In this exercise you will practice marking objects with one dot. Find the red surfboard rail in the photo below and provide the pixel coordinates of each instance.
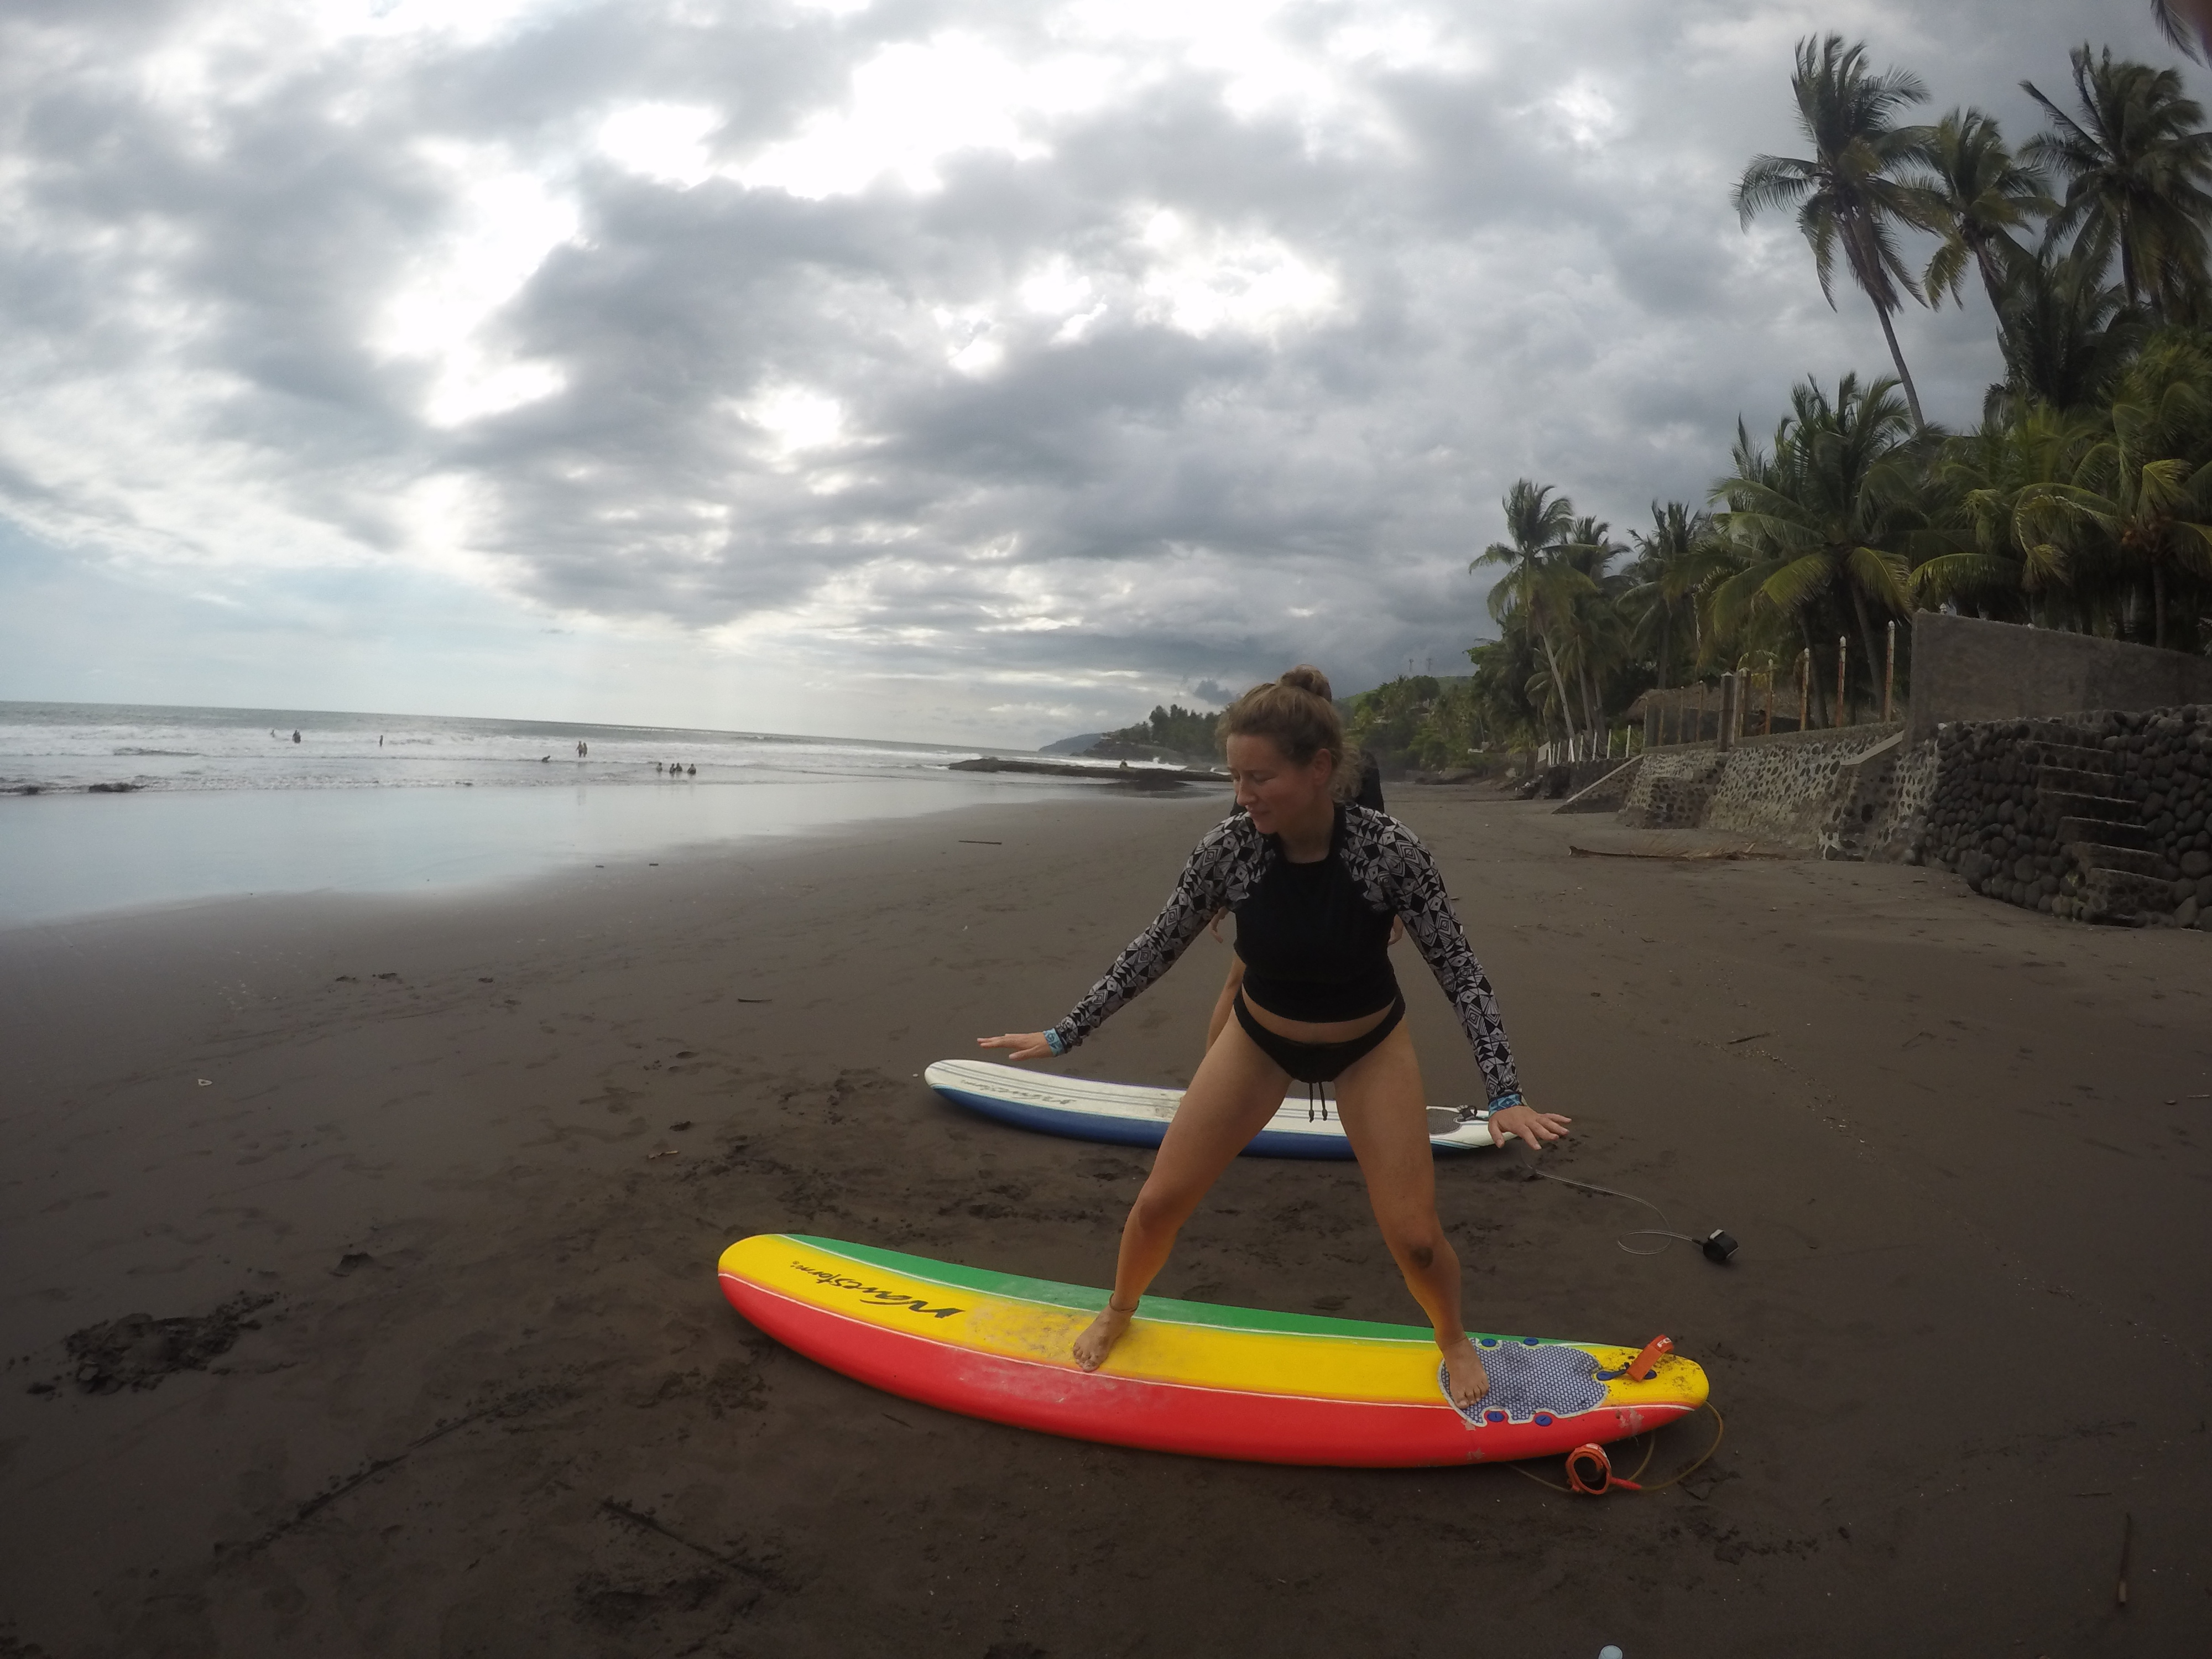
(1045, 1391)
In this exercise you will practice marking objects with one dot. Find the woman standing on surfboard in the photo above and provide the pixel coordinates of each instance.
(1315, 886)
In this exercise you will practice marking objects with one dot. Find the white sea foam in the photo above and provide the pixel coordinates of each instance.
(105, 807)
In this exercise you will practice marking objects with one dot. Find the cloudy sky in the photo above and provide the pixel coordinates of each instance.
(982, 370)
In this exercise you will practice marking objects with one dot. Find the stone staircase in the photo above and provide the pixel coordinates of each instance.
(2115, 875)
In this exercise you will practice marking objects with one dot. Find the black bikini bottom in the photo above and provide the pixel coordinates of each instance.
(1317, 1062)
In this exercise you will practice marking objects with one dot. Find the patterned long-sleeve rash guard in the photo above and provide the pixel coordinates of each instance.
(1393, 872)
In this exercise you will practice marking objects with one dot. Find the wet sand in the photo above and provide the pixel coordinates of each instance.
(469, 1387)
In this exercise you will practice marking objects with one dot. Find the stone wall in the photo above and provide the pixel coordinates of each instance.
(1608, 791)
(1885, 816)
(1568, 779)
(2092, 816)
(2097, 817)
(1967, 670)
(1790, 789)
(1671, 787)
(1831, 789)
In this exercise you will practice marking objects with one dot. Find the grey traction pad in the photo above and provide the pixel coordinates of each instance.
(1524, 1380)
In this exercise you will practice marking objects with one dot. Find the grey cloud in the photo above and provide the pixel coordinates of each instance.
(1511, 298)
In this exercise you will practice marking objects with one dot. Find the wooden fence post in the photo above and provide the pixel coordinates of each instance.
(1804, 687)
(1843, 655)
(1889, 675)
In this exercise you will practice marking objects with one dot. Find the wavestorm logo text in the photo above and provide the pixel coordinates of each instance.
(837, 1281)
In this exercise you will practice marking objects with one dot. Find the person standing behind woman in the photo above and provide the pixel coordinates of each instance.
(1315, 886)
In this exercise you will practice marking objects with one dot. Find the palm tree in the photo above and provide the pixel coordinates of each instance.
(2001, 559)
(1822, 525)
(1673, 563)
(2137, 168)
(1595, 642)
(1851, 190)
(2145, 490)
(1504, 669)
(1540, 590)
(1979, 195)
(2064, 333)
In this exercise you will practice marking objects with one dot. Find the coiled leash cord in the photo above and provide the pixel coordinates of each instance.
(1716, 1244)
(1590, 1471)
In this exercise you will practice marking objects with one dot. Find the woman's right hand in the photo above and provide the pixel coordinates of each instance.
(1532, 1127)
(1026, 1045)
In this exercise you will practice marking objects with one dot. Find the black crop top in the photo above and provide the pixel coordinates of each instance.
(1314, 948)
(1393, 872)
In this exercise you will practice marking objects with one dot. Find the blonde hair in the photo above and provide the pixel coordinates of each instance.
(1297, 715)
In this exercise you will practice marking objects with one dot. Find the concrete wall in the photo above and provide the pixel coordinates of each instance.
(1964, 669)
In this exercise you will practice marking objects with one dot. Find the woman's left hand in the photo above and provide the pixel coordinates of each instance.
(1533, 1127)
(1026, 1045)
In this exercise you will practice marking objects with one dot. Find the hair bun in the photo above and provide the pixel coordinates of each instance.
(1306, 677)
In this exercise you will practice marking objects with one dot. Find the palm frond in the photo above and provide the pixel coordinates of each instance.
(2192, 37)
(1771, 181)
(1880, 573)
(1963, 575)
(1794, 584)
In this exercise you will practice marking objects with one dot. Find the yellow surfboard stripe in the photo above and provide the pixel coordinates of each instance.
(1154, 1350)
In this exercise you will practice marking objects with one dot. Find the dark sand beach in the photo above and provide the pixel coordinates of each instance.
(466, 1385)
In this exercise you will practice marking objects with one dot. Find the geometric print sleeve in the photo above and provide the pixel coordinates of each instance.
(1220, 872)
(1397, 873)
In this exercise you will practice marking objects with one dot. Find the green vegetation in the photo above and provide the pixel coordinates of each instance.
(1417, 720)
(1187, 730)
(2082, 501)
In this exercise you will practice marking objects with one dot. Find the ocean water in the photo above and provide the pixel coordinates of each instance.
(106, 807)
(57, 747)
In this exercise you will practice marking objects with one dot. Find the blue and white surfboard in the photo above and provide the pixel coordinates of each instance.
(1131, 1115)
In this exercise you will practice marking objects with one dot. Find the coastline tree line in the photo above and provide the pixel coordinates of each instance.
(2082, 500)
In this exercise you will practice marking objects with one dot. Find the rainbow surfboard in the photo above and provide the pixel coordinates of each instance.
(1189, 1376)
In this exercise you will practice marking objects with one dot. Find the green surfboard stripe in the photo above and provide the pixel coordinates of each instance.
(1082, 1297)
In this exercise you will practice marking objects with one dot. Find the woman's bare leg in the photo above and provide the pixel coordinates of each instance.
(1385, 1112)
(1237, 1090)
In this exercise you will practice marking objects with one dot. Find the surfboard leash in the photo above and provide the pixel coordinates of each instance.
(1590, 1471)
(1717, 1245)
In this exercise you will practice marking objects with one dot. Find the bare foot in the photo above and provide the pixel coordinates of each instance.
(1469, 1382)
(1099, 1337)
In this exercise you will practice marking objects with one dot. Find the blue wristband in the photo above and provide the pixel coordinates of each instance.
(1503, 1101)
(1052, 1042)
